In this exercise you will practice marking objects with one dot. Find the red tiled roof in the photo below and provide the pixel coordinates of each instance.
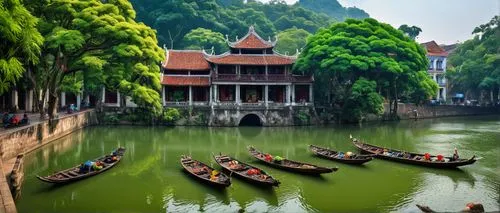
(251, 41)
(185, 81)
(433, 49)
(252, 59)
(186, 60)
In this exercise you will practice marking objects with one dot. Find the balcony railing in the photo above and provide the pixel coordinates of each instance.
(261, 78)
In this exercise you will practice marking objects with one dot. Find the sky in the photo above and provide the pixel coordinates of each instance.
(444, 21)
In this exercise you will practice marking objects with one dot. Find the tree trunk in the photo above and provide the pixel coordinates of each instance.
(53, 98)
(41, 102)
(395, 112)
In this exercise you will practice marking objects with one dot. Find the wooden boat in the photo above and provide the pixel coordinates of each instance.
(290, 165)
(241, 170)
(411, 158)
(73, 174)
(471, 207)
(203, 172)
(334, 155)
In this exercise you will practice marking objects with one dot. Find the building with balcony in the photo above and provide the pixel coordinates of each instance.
(251, 78)
(437, 67)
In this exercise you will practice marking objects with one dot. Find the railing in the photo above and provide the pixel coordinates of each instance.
(261, 78)
(176, 103)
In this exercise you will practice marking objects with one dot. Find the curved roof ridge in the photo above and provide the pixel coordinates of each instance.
(251, 31)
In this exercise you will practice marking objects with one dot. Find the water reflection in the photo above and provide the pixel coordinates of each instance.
(150, 179)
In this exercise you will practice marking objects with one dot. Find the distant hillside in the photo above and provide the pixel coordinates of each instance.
(333, 9)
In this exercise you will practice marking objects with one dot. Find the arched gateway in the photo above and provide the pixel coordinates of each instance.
(251, 120)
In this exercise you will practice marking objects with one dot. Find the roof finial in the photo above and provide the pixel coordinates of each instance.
(237, 38)
(227, 37)
(251, 29)
(269, 38)
(212, 52)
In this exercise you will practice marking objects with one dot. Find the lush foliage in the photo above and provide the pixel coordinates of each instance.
(363, 100)
(20, 42)
(174, 19)
(412, 31)
(291, 40)
(200, 38)
(344, 52)
(98, 39)
(334, 9)
(171, 115)
(476, 63)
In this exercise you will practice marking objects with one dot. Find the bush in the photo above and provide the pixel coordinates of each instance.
(302, 117)
(110, 119)
(170, 115)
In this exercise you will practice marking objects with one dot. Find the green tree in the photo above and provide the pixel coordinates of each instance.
(476, 64)
(412, 31)
(339, 55)
(333, 9)
(201, 38)
(363, 100)
(91, 36)
(291, 40)
(20, 42)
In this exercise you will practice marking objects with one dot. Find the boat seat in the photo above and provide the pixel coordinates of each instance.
(225, 159)
(73, 173)
(64, 174)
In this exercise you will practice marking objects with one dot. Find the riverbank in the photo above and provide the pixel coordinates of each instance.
(25, 139)
(412, 111)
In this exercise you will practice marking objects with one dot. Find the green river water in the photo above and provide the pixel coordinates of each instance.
(150, 178)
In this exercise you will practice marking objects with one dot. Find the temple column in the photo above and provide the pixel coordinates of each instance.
(190, 95)
(163, 95)
(434, 64)
(15, 99)
(288, 88)
(216, 94)
(311, 97)
(266, 94)
(238, 101)
(29, 101)
(118, 99)
(63, 99)
(266, 72)
(210, 96)
(103, 95)
(293, 93)
(79, 101)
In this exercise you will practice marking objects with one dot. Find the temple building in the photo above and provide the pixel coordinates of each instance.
(251, 75)
(437, 67)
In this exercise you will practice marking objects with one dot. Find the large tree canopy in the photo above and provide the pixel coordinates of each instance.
(100, 39)
(475, 64)
(341, 54)
(200, 38)
(20, 42)
(291, 40)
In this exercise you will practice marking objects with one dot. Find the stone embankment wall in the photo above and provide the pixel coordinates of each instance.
(278, 116)
(407, 111)
(33, 136)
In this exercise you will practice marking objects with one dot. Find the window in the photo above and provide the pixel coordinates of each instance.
(431, 64)
(439, 65)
